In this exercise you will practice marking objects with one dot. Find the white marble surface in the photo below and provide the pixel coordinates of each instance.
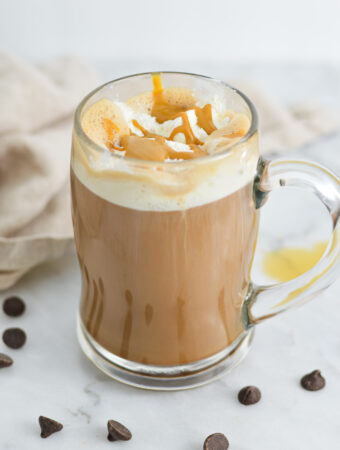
(51, 377)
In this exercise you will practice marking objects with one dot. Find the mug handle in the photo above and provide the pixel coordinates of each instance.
(263, 302)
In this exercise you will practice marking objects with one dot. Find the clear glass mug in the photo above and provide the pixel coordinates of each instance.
(165, 249)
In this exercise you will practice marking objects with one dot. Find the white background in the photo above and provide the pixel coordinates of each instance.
(168, 32)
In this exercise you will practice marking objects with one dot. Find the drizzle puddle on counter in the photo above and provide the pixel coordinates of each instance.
(286, 263)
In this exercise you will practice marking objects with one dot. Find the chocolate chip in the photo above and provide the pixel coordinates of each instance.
(313, 381)
(14, 337)
(216, 441)
(249, 395)
(117, 431)
(5, 360)
(13, 306)
(48, 426)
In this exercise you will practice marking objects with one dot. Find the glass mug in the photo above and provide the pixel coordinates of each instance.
(165, 249)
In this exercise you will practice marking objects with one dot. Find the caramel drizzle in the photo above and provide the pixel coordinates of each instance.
(162, 111)
(204, 118)
(186, 129)
(111, 130)
(111, 147)
(145, 132)
(171, 153)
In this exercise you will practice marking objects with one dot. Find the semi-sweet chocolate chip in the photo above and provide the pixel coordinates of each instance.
(48, 426)
(117, 431)
(14, 337)
(5, 360)
(249, 395)
(216, 441)
(313, 381)
(13, 306)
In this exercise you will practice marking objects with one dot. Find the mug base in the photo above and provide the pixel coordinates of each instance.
(164, 378)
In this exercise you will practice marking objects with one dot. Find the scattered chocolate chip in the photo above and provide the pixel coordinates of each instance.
(117, 431)
(313, 381)
(216, 441)
(14, 337)
(48, 426)
(249, 395)
(13, 306)
(5, 360)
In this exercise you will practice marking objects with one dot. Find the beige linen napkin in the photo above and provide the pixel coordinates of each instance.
(36, 107)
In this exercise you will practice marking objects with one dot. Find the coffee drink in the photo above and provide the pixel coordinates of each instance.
(165, 223)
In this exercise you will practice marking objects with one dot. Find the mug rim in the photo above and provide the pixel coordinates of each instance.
(208, 158)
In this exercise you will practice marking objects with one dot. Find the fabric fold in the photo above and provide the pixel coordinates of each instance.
(37, 105)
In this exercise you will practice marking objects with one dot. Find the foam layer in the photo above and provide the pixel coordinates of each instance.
(170, 186)
(119, 182)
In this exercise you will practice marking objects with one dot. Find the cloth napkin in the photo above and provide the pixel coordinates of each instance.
(36, 108)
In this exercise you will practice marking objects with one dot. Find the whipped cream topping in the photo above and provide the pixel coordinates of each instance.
(165, 129)
(170, 187)
(165, 115)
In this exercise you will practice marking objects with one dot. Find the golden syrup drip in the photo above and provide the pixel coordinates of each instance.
(285, 264)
